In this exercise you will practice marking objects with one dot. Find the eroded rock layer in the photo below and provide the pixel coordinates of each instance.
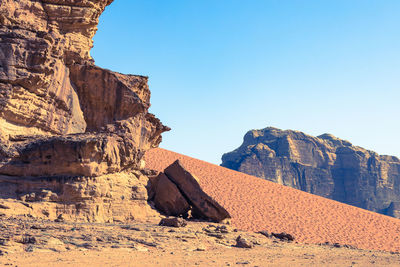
(50, 87)
(60, 115)
(118, 197)
(325, 165)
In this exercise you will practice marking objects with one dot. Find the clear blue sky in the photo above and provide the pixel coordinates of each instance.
(219, 68)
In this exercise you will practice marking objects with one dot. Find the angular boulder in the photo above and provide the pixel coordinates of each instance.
(203, 205)
(168, 199)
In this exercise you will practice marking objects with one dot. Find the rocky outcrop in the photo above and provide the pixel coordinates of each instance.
(325, 165)
(62, 117)
(177, 191)
(111, 198)
(55, 103)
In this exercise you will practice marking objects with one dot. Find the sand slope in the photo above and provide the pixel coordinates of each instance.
(256, 204)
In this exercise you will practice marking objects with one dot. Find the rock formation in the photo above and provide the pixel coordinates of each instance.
(177, 191)
(168, 199)
(64, 120)
(325, 165)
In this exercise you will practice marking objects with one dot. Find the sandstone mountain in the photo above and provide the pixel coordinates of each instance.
(325, 165)
(72, 134)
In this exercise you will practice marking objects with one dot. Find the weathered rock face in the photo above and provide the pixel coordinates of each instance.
(60, 115)
(323, 165)
(50, 87)
(119, 197)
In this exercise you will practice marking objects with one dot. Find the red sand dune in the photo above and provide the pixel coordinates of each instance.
(256, 204)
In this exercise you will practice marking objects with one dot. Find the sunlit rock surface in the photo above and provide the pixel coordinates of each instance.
(62, 116)
(325, 165)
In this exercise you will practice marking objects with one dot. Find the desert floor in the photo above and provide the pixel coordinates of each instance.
(32, 243)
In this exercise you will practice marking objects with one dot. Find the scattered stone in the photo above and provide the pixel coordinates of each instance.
(28, 240)
(4, 207)
(29, 248)
(242, 242)
(216, 229)
(38, 227)
(173, 222)
(201, 247)
(283, 236)
(59, 218)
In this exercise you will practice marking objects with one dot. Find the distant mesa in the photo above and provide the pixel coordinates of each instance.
(325, 165)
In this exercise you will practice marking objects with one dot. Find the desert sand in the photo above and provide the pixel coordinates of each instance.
(256, 204)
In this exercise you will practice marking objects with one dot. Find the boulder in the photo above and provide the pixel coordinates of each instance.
(242, 242)
(168, 199)
(283, 236)
(203, 205)
(173, 222)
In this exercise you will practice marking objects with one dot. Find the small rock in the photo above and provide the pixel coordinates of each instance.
(173, 222)
(201, 247)
(222, 229)
(242, 262)
(28, 240)
(38, 227)
(29, 248)
(59, 218)
(243, 242)
(4, 207)
(283, 236)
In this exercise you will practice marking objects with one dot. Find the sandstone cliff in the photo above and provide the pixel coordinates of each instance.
(325, 165)
(64, 120)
